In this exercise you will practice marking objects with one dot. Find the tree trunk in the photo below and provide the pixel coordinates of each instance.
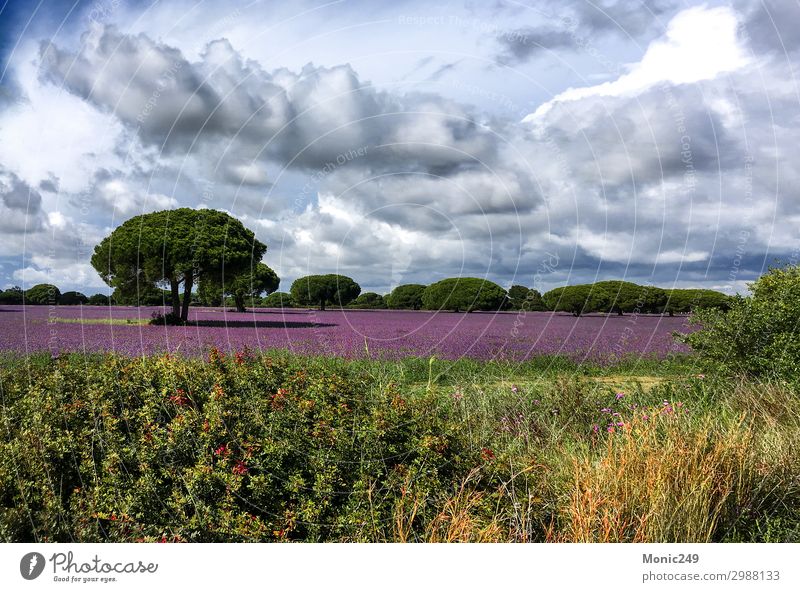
(322, 304)
(187, 296)
(239, 300)
(619, 312)
(176, 297)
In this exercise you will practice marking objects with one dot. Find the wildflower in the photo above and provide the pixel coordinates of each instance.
(514, 389)
(618, 396)
(457, 396)
(646, 417)
(701, 376)
(595, 428)
(240, 468)
(221, 451)
(487, 453)
(610, 429)
(606, 410)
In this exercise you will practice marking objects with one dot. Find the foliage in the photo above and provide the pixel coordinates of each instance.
(278, 300)
(98, 300)
(527, 299)
(687, 300)
(578, 300)
(467, 294)
(406, 296)
(12, 296)
(245, 288)
(369, 300)
(236, 448)
(242, 447)
(73, 298)
(42, 294)
(337, 290)
(758, 334)
(176, 248)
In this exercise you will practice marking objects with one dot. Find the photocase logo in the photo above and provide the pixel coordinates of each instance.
(31, 565)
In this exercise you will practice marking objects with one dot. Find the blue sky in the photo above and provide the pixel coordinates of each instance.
(398, 142)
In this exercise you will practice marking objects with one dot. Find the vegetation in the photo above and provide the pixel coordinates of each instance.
(758, 335)
(369, 300)
(620, 297)
(313, 290)
(72, 298)
(176, 248)
(278, 447)
(42, 294)
(12, 296)
(526, 299)
(464, 294)
(278, 300)
(406, 296)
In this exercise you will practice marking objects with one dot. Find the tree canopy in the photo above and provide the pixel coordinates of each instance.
(73, 298)
(278, 300)
(333, 289)
(408, 296)
(42, 294)
(369, 300)
(467, 294)
(176, 248)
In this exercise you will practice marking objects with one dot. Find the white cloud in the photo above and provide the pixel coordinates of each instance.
(700, 44)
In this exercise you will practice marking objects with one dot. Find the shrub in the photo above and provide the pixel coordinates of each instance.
(467, 294)
(311, 290)
(406, 296)
(236, 448)
(758, 334)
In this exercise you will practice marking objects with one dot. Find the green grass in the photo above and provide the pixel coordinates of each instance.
(101, 321)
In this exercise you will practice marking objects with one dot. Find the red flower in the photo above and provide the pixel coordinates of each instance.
(240, 468)
(222, 451)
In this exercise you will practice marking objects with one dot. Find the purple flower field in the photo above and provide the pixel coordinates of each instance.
(351, 333)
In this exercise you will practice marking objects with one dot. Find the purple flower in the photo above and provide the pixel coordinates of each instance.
(606, 410)
(618, 396)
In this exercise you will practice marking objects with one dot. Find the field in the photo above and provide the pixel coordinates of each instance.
(377, 334)
(381, 426)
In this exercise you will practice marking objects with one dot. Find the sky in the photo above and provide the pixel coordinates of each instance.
(531, 143)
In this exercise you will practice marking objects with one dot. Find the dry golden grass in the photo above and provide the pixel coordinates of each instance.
(658, 479)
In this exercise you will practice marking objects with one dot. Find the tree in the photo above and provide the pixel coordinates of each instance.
(517, 296)
(579, 299)
(408, 296)
(680, 301)
(534, 301)
(278, 300)
(176, 248)
(98, 300)
(757, 335)
(369, 300)
(12, 296)
(334, 289)
(467, 294)
(73, 298)
(252, 285)
(42, 294)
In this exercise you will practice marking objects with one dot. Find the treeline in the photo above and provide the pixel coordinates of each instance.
(618, 297)
(456, 294)
(50, 294)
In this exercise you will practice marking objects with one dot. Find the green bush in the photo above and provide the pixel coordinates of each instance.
(464, 294)
(233, 448)
(406, 296)
(757, 335)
